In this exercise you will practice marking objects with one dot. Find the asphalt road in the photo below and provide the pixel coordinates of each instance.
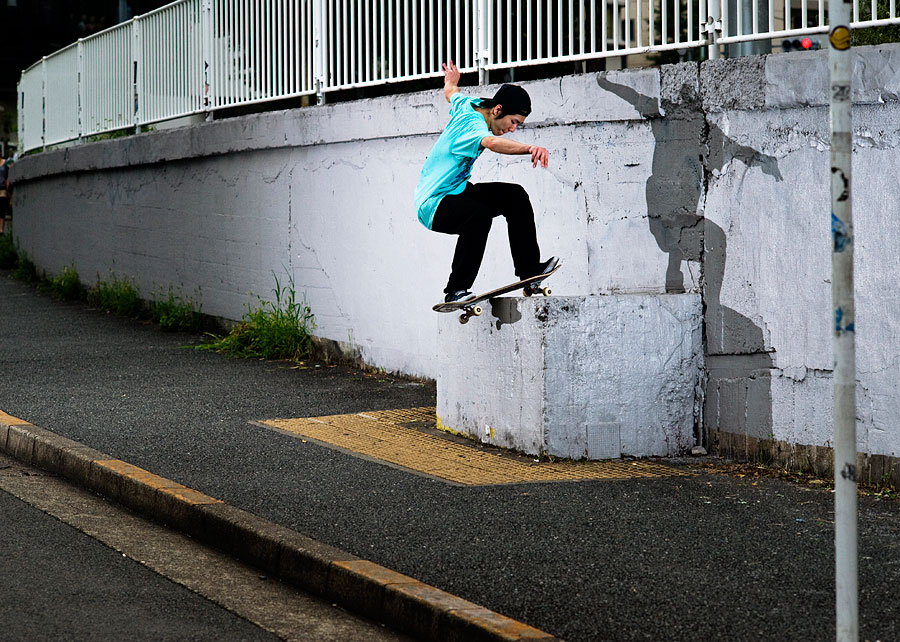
(78, 567)
(708, 557)
(60, 584)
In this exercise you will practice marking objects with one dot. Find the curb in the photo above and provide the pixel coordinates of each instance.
(399, 601)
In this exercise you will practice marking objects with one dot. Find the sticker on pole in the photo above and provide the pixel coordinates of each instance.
(840, 38)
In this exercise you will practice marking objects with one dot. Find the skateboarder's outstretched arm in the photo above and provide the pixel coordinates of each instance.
(451, 79)
(515, 148)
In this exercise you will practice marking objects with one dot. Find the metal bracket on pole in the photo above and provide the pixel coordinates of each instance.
(713, 27)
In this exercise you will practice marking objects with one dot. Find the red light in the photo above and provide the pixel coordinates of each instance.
(806, 43)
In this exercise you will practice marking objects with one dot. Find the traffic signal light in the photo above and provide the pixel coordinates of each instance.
(800, 44)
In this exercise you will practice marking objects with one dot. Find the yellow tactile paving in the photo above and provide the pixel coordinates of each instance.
(382, 435)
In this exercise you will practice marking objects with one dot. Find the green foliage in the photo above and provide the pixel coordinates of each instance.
(875, 35)
(277, 329)
(119, 133)
(25, 270)
(118, 295)
(9, 257)
(175, 313)
(66, 286)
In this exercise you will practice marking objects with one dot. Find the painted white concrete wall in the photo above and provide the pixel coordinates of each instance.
(709, 178)
(777, 276)
(581, 377)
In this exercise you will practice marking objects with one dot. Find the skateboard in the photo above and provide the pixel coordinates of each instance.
(470, 307)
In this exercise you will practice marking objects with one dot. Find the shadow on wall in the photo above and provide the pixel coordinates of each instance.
(687, 149)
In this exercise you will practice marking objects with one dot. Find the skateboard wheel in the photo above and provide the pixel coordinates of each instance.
(477, 310)
(546, 291)
(464, 318)
(526, 292)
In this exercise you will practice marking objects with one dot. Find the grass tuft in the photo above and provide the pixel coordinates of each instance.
(174, 313)
(118, 295)
(9, 257)
(278, 329)
(26, 270)
(66, 286)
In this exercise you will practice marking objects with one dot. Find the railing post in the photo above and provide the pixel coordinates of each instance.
(319, 51)
(137, 63)
(80, 84)
(482, 55)
(44, 103)
(206, 37)
(20, 108)
(713, 28)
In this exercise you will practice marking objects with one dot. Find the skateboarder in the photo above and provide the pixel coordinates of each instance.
(448, 203)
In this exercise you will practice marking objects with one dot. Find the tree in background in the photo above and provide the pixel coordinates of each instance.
(875, 35)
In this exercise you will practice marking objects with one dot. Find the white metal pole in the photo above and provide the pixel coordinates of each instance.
(844, 338)
(80, 81)
(206, 34)
(481, 37)
(714, 28)
(318, 52)
(137, 68)
(44, 105)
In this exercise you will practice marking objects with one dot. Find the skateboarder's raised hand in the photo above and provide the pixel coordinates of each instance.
(451, 79)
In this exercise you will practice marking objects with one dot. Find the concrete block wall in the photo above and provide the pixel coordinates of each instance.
(709, 178)
(581, 377)
(767, 263)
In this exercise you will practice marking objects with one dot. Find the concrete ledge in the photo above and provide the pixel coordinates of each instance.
(361, 586)
(581, 377)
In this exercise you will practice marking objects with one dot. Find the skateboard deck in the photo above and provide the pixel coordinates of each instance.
(470, 307)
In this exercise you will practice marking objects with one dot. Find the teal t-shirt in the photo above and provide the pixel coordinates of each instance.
(449, 165)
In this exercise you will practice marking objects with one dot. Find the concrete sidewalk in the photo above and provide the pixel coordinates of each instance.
(690, 556)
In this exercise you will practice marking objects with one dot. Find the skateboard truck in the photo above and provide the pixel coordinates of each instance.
(535, 288)
(468, 313)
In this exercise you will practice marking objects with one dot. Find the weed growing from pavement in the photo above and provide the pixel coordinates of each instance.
(9, 257)
(278, 329)
(66, 286)
(175, 313)
(119, 296)
(25, 269)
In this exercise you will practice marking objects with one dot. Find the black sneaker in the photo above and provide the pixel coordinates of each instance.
(548, 266)
(459, 295)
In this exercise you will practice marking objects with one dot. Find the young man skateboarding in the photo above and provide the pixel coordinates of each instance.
(448, 203)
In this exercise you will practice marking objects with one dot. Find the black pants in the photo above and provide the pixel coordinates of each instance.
(470, 214)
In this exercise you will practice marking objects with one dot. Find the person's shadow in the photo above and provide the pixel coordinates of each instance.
(687, 149)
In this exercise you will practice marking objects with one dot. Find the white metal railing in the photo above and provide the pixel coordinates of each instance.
(196, 56)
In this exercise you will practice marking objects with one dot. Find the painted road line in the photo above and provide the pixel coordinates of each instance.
(385, 436)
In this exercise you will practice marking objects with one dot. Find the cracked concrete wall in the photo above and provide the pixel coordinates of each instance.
(579, 377)
(768, 259)
(707, 178)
